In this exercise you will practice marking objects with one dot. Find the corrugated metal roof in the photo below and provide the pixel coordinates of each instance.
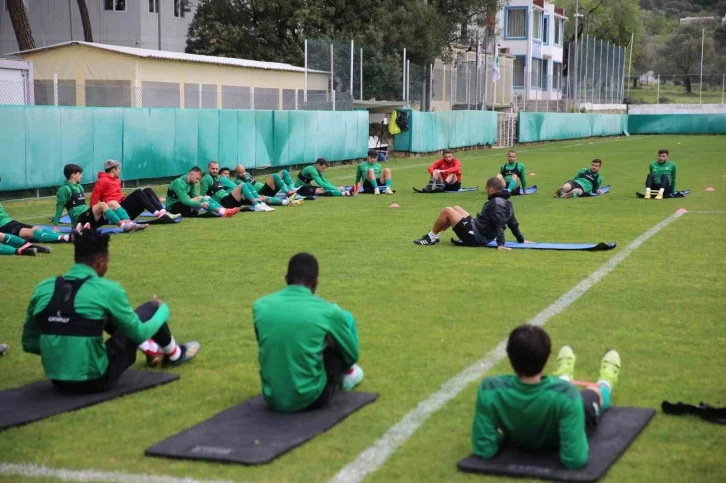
(166, 55)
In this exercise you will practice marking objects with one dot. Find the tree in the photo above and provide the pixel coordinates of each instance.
(21, 25)
(680, 54)
(85, 20)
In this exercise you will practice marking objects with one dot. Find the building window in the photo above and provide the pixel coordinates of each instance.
(556, 76)
(180, 8)
(537, 24)
(559, 29)
(516, 23)
(539, 74)
(546, 30)
(518, 71)
(114, 5)
(153, 6)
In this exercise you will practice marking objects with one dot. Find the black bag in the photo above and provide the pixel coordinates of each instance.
(402, 119)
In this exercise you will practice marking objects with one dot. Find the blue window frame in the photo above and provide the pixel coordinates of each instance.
(516, 22)
(546, 30)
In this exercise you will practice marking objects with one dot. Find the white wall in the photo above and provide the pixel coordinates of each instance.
(677, 109)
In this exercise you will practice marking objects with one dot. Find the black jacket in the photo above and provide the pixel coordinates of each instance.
(496, 214)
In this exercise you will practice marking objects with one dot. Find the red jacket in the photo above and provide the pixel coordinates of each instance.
(447, 168)
(107, 188)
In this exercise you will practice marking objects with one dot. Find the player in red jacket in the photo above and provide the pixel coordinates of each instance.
(445, 174)
(108, 188)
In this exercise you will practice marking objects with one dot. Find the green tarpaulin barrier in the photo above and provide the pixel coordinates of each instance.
(677, 123)
(433, 131)
(552, 126)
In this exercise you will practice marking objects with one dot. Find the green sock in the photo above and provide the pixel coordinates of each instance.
(288, 180)
(112, 217)
(271, 200)
(249, 193)
(605, 391)
(213, 205)
(7, 250)
(389, 183)
(512, 185)
(13, 241)
(574, 194)
(374, 183)
(121, 213)
(47, 236)
(335, 192)
(279, 184)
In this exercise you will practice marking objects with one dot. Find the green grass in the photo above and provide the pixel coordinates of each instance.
(670, 94)
(424, 314)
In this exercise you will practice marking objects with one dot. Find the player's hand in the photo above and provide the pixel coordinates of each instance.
(502, 247)
(205, 205)
(599, 192)
(156, 300)
(55, 229)
(528, 242)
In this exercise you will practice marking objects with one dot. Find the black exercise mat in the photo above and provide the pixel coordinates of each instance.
(40, 400)
(677, 194)
(618, 428)
(251, 433)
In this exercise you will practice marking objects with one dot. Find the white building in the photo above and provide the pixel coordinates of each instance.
(533, 32)
(688, 20)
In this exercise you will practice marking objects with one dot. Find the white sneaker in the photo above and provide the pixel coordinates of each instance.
(352, 378)
(127, 227)
(260, 207)
(376, 191)
(268, 207)
(285, 202)
(389, 191)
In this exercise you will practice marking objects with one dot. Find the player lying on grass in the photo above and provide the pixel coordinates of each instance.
(586, 181)
(496, 214)
(533, 411)
(67, 316)
(108, 188)
(661, 177)
(513, 174)
(314, 173)
(277, 182)
(228, 194)
(72, 198)
(16, 229)
(13, 245)
(373, 175)
(308, 347)
(182, 197)
(445, 174)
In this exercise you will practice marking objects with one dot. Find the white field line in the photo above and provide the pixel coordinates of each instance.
(376, 455)
(708, 212)
(34, 471)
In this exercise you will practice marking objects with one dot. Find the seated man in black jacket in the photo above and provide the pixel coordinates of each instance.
(495, 216)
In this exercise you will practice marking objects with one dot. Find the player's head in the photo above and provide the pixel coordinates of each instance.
(91, 248)
(663, 155)
(213, 168)
(240, 171)
(595, 165)
(224, 172)
(512, 156)
(302, 269)
(494, 185)
(321, 164)
(194, 175)
(448, 155)
(372, 155)
(528, 349)
(73, 172)
(112, 167)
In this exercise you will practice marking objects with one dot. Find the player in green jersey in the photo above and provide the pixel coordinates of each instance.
(513, 174)
(228, 194)
(182, 197)
(13, 228)
(534, 411)
(586, 181)
(276, 182)
(661, 177)
(314, 173)
(373, 176)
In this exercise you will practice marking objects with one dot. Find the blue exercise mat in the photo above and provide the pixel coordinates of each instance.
(68, 229)
(588, 247)
(67, 219)
(605, 189)
(461, 190)
(529, 191)
(164, 220)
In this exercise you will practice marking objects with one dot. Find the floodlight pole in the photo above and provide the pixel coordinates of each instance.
(700, 89)
(630, 63)
(305, 92)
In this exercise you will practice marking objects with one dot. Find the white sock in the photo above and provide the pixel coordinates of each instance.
(162, 212)
(565, 377)
(221, 211)
(604, 383)
(433, 236)
(172, 350)
(149, 346)
(123, 224)
(661, 191)
(65, 238)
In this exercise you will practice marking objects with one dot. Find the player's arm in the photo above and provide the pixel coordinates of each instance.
(359, 173)
(99, 188)
(31, 330)
(205, 184)
(181, 193)
(322, 182)
(455, 169)
(523, 178)
(573, 440)
(61, 199)
(485, 436)
(598, 183)
(513, 225)
(126, 319)
(345, 339)
(673, 184)
(227, 183)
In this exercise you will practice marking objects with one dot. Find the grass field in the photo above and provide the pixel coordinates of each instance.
(424, 314)
(671, 94)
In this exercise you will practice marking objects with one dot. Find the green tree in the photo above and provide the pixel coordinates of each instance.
(680, 53)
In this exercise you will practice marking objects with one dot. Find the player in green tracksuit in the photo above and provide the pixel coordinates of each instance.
(277, 182)
(307, 346)
(373, 176)
(14, 236)
(535, 412)
(226, 193)
(513, 174)
(586, 181)
(661, 177)
(182, 197)
(71, 197)
(67, 316)
(315, 173)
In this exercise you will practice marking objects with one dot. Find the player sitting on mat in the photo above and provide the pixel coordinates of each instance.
(496, 214)
(182, 197)
(229, 195)
(314, 173)
(373, 176)
(586, 181)
(277, 182)
(513, 174)
(445, 174)
(308, 347)
(71, 197)
(108, 188)
(661, 177)
(67, 316)
(14, 229)
(533, 411)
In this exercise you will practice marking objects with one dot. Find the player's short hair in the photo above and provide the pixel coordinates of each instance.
(598, 161)
(321, 161)
(512, 151)
(447, 151)
(70, 169)
(528, 349)
(302, 269)
(211, 163)
(663, 151)
(495, 183)
(222, 170)
(372, 153)
(88, 245)
(196, 169)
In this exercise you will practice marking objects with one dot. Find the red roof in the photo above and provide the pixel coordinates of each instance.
(539, 3)
(560, 11)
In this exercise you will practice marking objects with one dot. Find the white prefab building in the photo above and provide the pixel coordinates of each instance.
(534, 34)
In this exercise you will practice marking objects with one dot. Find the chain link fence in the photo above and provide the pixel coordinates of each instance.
(596, 72)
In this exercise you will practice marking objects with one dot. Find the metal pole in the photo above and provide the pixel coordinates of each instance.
(599, 72)
(700, 89)
(622, 79)
(333, 99)
(352, 58)
(592, 96)
(70, 17)
(332, 82)
(305, 92)
(158, 21)
(361, 73)
(404, 74)
(484, 89)
(723, 84)
(468, 79)
(55, 89)
(607, 69)
(657, 92)
(408, 82)
(630, 63)
(431, 85)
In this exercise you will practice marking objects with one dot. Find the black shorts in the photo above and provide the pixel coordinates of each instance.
(593, 410)
(575, 185)
(184, 210)
(334, 372)
(368, 187)
(13, 227)
(229, 202)
(87, 217)
(465, 231)
(267, 191)
(452, 186)
(306, 190)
